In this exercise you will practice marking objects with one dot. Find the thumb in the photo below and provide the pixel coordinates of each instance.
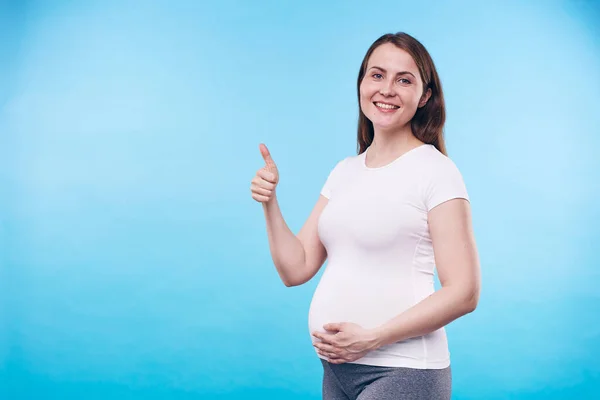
(334, 326)
(266, 155)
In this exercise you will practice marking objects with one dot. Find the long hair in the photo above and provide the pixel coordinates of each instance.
(428, 122)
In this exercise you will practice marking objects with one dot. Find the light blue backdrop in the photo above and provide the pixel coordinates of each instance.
(135, 264)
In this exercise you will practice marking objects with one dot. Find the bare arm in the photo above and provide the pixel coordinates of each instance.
(459, 272)
(297, 257)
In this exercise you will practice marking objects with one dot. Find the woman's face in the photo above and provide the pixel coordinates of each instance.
(391, 90)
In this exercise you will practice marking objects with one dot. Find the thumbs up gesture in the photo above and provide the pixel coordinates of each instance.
(266, 179)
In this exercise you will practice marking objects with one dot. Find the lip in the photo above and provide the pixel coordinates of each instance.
(383, 110)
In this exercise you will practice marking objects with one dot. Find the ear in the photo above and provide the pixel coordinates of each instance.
(425, 98)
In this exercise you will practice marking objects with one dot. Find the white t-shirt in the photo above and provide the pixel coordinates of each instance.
(380, 254)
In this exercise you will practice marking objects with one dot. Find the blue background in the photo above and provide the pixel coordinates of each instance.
(135, 264)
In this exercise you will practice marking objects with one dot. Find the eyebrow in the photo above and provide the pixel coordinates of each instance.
(399, 73)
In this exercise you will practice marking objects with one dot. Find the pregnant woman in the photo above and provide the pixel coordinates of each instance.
(386, 220)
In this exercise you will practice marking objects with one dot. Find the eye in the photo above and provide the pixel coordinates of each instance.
(377, 76)
(404, 81)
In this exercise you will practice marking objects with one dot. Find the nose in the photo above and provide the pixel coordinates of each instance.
(387, 89)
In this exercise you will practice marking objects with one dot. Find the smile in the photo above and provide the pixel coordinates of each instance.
(384, 106)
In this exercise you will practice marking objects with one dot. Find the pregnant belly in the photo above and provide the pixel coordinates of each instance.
(368, 304)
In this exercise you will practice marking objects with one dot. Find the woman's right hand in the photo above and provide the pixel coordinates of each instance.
(266, 179)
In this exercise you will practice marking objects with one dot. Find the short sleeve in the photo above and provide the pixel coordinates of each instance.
(445, 183)
(333, 179)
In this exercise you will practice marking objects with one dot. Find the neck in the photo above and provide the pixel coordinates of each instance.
(391, 143)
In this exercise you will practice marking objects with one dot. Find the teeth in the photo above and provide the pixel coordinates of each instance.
(389, 107)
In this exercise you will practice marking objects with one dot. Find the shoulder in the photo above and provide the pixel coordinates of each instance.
(435, 161)
(338, 169)
(338, 174)
(442, 180)
(434, 166)
(346, 163)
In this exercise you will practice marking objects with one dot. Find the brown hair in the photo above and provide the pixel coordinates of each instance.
(428, 122)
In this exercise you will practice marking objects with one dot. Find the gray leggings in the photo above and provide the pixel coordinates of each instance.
(367, 382)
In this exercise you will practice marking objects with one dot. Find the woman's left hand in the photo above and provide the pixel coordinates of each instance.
(345, 342)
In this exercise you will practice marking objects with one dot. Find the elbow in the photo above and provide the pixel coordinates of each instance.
(464, 297)
(299, 277)
(292, 282)
(289, 283)
(470, 306)
(471, 301)
(287, 278)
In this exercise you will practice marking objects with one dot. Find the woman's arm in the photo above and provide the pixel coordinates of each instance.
(458, 268)
(297, 257)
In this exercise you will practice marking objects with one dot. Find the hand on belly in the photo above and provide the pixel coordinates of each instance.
(344, 342)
